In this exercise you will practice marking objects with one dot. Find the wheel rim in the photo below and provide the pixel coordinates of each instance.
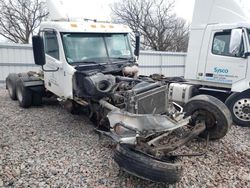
(241, 109)
(204, 115)
(19, 95)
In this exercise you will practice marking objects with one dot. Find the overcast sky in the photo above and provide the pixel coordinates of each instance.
(100, 9)
(183, 8)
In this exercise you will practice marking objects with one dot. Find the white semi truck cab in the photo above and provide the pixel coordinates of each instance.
(218, 58)
(218, 53)
(71, 46)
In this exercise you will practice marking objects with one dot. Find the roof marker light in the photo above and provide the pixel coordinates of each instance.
(73, 25)
(93, 26)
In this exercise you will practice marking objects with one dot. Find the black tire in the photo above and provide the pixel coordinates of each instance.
(24, 95)
(214, 112)
(146, 167)
(11, 85)
(239, 106)
(37, 99)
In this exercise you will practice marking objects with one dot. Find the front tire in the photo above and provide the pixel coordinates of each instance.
(11, 85)
(216, 115)
(146, 167)
(24, 95)
(239, 106)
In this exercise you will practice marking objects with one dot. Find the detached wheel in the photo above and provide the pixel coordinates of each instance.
(146, 167)
(11, 85)
(24, 95)
(239, 106)
(215, 113)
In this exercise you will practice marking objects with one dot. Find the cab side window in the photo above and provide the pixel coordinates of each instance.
(221, 45)
(51, 44)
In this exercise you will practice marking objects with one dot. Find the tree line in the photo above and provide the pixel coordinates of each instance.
(159, 27)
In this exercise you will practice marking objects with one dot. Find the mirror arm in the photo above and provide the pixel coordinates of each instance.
(137, 45)
(50, 70)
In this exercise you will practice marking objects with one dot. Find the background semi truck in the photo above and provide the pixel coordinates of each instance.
(218, 57)
(90, 66)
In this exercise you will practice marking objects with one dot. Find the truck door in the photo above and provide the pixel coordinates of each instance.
(54, 73)
(221, 66)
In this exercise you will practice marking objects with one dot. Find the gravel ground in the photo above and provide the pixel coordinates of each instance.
(48, 147)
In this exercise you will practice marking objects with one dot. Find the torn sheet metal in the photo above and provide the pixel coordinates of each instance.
(144, 122)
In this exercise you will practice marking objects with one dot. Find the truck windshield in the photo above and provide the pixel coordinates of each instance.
(94, 47)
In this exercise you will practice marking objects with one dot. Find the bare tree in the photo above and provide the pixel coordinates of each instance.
(20, 18)
(159, 27)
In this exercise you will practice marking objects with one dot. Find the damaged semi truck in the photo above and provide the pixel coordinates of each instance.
(91, 65)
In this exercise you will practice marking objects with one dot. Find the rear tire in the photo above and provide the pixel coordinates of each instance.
(145, 166)
(239, 106)
(11, 85)
(24, 95)
(216, 115)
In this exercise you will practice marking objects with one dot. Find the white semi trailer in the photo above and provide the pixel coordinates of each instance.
(90, 65)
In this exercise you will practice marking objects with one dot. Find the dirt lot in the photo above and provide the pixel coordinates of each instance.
(48, 147)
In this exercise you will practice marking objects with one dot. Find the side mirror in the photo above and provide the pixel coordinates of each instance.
(137, 45)
(38, 50)
(235, 41)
